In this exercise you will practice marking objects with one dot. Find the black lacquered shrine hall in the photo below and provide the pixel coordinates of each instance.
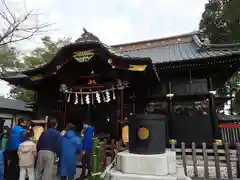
(177, 75)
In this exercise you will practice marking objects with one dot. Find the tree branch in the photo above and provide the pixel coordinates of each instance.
(17, 27)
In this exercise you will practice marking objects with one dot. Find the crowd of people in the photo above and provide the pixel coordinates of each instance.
(23, 158)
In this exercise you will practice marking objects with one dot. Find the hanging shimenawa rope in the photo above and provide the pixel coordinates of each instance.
(91, 96)
(90, 92)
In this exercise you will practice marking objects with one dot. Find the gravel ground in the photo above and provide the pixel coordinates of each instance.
(57, 178)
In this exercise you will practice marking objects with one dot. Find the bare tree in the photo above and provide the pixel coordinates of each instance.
(18, 27)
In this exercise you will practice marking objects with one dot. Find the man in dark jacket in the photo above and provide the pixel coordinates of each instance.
(88, 133)
(15, 139)
(47, 146)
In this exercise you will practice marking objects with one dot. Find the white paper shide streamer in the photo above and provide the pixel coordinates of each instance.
(89, 97)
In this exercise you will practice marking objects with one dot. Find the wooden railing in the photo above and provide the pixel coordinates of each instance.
(108, 151)
(220, 162)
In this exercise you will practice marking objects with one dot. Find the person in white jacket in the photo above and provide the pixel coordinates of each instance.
(27, 152)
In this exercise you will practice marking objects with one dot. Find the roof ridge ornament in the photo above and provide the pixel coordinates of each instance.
(87, 36)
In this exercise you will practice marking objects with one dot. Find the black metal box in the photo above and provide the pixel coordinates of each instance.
(147, 134)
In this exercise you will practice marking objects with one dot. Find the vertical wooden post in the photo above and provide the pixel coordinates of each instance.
(231, 100)
(205, 159)
(170, 125)
(212, 109)
(216, 160)
(184, 160)
(14, 120)
(173, 144)
(89, 113)
(118, 146)
(113, 146)
(104, 153)
(121, 112)
(190, 80)
(238, 159)
(35, 108)
(194, 158)
(228, 161)
(121, 105)
(133, 104)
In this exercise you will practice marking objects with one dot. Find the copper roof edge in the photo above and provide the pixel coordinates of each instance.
(158, 39)
(149, 47)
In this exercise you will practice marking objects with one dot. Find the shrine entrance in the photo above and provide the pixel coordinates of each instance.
(103, 116)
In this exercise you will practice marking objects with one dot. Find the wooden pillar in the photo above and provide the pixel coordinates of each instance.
(89, 114)
(121, 105)
(64, 111)
(117, 118)
(231, 100)
(120, 114)
(133, 104)
(212, 111)
(170, 125)
(35, 110)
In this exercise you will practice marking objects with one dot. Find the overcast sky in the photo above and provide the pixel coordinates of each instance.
(113, 21)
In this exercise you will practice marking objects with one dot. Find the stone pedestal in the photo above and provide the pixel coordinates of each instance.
(146, 167)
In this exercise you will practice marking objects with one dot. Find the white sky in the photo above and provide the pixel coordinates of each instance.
(113, 21)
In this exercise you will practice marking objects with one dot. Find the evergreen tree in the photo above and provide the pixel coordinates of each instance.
(38, 57)
(221, 23)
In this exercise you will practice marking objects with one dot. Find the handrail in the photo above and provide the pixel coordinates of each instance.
(230, 125)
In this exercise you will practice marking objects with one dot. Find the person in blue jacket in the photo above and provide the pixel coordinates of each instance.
(15, 139)
(70, 145)
(88, 133)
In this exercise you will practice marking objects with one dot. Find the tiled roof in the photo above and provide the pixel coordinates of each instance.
(13, 104)
(187, 50)
(224, 117)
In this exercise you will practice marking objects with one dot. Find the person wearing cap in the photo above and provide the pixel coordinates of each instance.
(15, 139)
(47, 147)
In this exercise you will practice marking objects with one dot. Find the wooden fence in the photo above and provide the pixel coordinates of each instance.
(219, 162)
(108, 151)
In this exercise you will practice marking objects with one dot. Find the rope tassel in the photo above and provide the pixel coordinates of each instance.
(114, 96)
(69, 97)
(81, 98)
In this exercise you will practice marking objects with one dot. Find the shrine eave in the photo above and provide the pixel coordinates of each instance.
(29, 78)
(90, 45)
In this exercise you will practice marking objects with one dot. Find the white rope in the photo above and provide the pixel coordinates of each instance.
(108, 168)
(92, 92)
